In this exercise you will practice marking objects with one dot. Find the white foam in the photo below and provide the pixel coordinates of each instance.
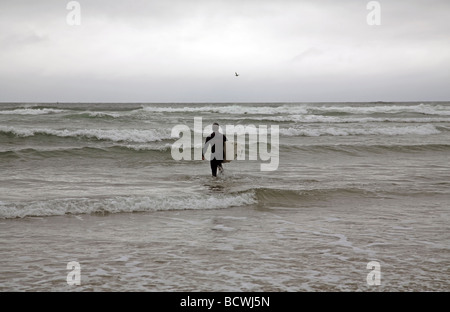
(335, 131)
(334, 119)
(116, 135)
(303, 109)
(103, 114)
(122, 258)
(426, 109)
(31, 111)
(144, 147)
(125, 204)
(233, 109)
(221, 227)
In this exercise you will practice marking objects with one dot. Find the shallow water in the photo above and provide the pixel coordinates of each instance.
(235, 249)
(96, 183)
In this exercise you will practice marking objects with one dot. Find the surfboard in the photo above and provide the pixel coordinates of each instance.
(231, 152)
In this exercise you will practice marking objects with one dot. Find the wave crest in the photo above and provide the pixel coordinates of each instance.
(124, 204)
(335, 131)
(115, 135)
(32, 111)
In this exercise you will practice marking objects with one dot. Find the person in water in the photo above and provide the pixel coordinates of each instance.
(217, 141)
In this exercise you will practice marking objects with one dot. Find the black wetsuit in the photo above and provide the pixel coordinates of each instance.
(217, 154)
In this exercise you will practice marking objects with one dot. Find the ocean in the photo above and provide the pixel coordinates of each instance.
(354, 184)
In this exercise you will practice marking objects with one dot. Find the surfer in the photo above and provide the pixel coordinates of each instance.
(217, 142)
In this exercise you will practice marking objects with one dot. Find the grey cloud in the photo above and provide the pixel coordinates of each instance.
(286, 50)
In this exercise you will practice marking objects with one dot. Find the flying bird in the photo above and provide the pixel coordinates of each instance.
(236, 74)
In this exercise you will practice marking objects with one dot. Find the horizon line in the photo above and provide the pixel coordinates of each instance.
(212, 102)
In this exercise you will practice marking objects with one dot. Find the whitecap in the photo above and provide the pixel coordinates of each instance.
(115, 135)
(125, 204)
(32, 111)
(335, 131)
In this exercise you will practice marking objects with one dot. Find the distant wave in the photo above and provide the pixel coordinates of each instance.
(300, 112)
(426, 109)
(336, 131)
(115, 135)
(256, 118)
(365, 148)
(342, 119)
(94, 114)
(231, 109)
(135, 137)
(32, 111)
(305, 109)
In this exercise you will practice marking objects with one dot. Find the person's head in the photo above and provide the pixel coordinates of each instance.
(215, 127)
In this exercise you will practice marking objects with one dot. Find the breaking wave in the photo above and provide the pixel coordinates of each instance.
(336, 131)
(32, 111)
(119, 204)
(115, 135)
(303, 109)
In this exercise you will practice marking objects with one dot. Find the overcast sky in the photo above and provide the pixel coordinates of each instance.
(189, 50)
